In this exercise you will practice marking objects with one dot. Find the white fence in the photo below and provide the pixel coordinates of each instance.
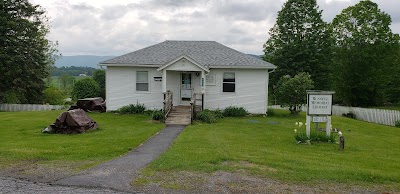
(379, 116)
(29, 107)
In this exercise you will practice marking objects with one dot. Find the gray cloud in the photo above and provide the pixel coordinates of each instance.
(103, 28)
(245, 10)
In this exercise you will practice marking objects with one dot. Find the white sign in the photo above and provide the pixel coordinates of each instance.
(319, 119)
(319, 104)
(210, 80)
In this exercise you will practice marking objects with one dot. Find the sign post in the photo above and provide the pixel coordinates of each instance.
(319, 109)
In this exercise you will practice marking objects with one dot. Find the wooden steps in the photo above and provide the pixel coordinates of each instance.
(179, 115)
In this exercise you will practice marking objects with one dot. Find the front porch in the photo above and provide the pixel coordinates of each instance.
(185, 78)
(181, 114)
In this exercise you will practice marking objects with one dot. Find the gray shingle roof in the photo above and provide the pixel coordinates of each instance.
(207, 53)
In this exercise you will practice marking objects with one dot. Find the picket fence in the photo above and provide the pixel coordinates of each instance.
(379, 116)
(29, 107)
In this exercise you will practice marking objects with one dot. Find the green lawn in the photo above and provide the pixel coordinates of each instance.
(263, 148)
(21, 139)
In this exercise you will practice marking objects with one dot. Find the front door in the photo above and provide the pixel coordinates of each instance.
(186, 87)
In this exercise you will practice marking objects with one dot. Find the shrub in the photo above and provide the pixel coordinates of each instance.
(157, 115)
(132, 109)
(270, 112)
(206, 116)
(349, 115)
(54, 96)
(233, 111)
(218, 113)
(397, 123)
(85, 88)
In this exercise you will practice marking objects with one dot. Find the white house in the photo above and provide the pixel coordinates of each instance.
(223, 76)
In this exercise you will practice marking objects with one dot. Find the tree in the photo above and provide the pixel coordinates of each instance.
(300, 42)
(85, 88)
(66, 81)
(53, 95)
(100, 77)
(25, 54)
(364, 50)
(292, 92)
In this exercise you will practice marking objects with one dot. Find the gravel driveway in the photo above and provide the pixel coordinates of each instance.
(12, 185)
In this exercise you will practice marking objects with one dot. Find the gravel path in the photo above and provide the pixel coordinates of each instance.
(117, 174)
(15, 186)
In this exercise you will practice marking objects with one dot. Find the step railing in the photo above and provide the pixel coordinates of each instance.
(167, 104)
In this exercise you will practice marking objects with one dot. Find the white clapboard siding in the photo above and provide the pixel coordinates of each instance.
(379, 116)
(29, 107)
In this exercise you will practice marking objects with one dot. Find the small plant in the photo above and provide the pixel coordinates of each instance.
(397, 123)
(233, 111)
(157, 115)
(132, 109)
(206, 116)
(315, 136)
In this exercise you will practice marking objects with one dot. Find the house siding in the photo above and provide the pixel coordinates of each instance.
(250, 91)
(121, 88)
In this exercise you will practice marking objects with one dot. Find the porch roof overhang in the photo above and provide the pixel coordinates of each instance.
(202, 67)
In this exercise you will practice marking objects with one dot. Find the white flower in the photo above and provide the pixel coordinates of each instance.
(295, 130)
(331, 126)
(305, 124)
(297, 123)
(340, 133)
(300, 124)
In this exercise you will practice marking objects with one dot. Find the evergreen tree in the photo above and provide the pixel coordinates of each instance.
(25, 54)
(300, 42)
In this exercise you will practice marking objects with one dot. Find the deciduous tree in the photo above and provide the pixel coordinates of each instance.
(292, 91)
(300, 42)
(364, 54)
(25, 53)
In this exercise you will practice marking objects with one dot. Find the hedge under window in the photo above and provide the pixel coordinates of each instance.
(228, 82)
(142, 81)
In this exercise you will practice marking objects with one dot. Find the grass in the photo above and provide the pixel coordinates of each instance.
(21, 139)
(263, 148)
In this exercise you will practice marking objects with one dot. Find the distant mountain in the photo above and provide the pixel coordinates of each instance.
(81, 61)
(91, 60)
(256, 56)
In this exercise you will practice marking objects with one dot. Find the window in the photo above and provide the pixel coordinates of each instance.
(228, 82)
(142, 81)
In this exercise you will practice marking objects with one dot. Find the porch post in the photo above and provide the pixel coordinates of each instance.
(164, 80)
(203, 88)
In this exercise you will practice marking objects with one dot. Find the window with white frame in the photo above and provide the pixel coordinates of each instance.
(228, 82)
(142, 81)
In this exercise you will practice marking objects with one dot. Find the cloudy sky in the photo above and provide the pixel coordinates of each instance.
(104, 27)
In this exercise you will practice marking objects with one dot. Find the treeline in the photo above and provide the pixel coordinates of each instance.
(356, 55)
(72, 71)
